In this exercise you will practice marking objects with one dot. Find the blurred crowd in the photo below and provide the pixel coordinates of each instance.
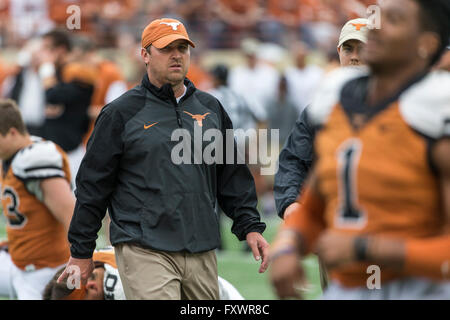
(213, 23)
(261, 59)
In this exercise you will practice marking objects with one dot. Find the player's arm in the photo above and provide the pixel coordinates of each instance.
(294, 164)
(41, 168)
(431, 257)
(295, 239)
(58, 197)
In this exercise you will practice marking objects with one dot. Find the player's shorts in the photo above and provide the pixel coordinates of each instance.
(404, 289)
(20, 284)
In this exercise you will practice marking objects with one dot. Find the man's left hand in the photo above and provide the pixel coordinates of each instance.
(260, 249)
(335, 249)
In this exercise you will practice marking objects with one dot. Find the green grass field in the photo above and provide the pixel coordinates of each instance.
(239, 267)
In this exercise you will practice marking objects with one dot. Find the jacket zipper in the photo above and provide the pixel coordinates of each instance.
(177, 111)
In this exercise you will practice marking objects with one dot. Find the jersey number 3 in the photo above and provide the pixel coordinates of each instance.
(16, 220)
(349, 214)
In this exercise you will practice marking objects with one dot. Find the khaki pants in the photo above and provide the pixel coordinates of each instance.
(148, 274)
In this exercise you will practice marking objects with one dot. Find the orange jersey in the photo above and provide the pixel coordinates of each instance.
(108, 74)
(35, 238)
(377, 179)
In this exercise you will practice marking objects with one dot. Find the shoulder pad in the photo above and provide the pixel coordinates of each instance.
(227, 291)
(328, 94)
(38, 161)
(426, 105)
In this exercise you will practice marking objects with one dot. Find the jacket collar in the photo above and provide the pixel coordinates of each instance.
(165, 92)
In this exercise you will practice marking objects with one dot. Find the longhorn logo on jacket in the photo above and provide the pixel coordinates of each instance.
(198, 117)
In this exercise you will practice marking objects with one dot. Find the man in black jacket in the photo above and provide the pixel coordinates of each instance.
(163, 221)
(296, 157)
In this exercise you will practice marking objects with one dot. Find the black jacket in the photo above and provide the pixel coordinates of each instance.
(295, 161)
(153, 202)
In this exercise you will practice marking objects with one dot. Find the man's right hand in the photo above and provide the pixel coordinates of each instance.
(287, 276)
(77, 269)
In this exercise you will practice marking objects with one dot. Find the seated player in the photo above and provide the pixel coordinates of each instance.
(38, 205)
(105, 283)
(379, 195)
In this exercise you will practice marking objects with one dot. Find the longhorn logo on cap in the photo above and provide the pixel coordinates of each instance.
(174, 25)
(358, 26)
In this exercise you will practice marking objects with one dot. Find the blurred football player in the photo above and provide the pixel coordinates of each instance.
(379, 195)
(105, 284)
(37, 203)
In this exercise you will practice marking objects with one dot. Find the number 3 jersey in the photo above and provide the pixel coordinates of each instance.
(36, 239)
(373, 163)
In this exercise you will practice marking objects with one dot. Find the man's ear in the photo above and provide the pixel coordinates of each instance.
(145, 54)
(13, 131)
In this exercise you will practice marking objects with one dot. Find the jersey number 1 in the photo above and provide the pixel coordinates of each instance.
(349, 212)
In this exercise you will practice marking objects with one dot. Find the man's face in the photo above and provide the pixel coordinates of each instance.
(396, 42)
(169, 64)
(350, 53)
(94, 285)
(49, 53)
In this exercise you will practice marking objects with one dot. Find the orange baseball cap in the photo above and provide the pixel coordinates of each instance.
(161, 32)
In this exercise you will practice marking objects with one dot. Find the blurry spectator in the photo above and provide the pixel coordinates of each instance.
(284, 21)
(199, 77)
(59, 15)
(281, 112)
(101, 19)
(69, 86)
(233, 17)
(109, 82)
(25, 87)
(302, 78)
(196, 15)
(113, 17)
(256, 81)
(4, 21)
(333, 61)
(5, 71)
(27, 18)
(235, 105)
(161, 8)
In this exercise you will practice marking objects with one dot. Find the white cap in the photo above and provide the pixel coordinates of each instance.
(355, 29)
